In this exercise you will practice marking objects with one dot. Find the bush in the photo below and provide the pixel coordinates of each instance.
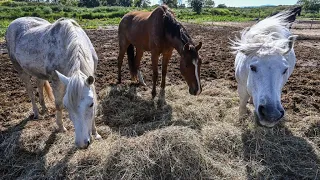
(57, 8)
(197, 5)
(47, 10)
(37, 12)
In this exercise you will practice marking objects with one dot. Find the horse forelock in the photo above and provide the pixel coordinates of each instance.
(269, 36)
(75, 89)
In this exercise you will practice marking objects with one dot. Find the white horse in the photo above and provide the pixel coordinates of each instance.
(60, 52)
(265, 59)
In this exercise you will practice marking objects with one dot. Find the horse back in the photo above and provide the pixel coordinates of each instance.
(143, 29)
(39, 47)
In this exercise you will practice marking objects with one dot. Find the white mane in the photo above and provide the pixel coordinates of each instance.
(77, 55)
(78, 64)
(269, 36)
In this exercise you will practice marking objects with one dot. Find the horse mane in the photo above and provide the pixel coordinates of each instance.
(78, 58)
(173, 27)
(77, 55)
(269, 36)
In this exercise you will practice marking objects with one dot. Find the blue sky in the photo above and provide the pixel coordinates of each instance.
(239, 3)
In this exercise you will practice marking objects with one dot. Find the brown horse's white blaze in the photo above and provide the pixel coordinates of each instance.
(161, 34)
(196, 72)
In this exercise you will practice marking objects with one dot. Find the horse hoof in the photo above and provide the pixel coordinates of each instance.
(143, 84)
(97, 137)
(62, 130)
(44, 111)
(34, 117)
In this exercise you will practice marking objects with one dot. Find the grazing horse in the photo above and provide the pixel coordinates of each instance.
(264, 61)
(60, 52)
(159, 32)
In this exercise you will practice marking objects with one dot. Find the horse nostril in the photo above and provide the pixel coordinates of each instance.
(87, 142)
(282, 113)
(261, 110)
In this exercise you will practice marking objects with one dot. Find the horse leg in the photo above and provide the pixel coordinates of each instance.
(165, 61)
(26, 79)
(138, 58)
(244, 97)
(120, 60)
(58, 91)
(94, 130)
(40, 84)
(154, 59)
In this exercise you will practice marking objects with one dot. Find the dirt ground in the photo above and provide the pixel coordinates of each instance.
(301, 95)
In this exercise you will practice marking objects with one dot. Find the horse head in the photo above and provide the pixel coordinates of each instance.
(190, 67)
(80, 102)
(267, 75)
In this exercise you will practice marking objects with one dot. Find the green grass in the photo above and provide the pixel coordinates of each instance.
(91, 18)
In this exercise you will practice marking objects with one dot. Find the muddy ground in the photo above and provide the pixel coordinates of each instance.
(300, 95)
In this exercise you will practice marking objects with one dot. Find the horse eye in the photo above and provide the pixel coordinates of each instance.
(285, 71)
(91, 105)
(253, 68)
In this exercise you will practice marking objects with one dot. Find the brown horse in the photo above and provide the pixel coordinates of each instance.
(159, 32)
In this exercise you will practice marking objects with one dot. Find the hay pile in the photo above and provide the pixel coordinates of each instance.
(185, 137)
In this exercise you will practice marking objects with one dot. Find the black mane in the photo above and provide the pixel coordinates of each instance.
(174, 28)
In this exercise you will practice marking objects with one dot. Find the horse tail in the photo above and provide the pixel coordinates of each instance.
(48, 90)
(130, 52)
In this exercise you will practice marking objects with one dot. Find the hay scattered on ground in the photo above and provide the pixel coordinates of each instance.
(184, 137)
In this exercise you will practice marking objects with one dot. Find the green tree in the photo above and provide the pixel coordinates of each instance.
(141, 3)
(137, 3)
(221, 6)
(208, 3)
(197, 5)
(125, 3)
(146, 3)
(170, 3)
(310, 5)
(108, 2)
(89, 3)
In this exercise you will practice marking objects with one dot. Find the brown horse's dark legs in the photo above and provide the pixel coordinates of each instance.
(137, 59)
(165, 61)
(120, 61)
(155, 59)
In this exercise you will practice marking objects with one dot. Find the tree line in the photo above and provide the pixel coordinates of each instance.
(196, 5)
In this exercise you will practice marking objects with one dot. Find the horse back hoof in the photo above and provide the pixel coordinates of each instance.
(153, 95)
(143, 84)
(62, 129)
(44, 111)
(97, 136)
(34, 117)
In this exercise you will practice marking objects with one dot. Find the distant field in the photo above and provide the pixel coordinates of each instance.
(92, 18)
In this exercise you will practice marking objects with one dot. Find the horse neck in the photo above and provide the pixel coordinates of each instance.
(177, 43)
(78, 62)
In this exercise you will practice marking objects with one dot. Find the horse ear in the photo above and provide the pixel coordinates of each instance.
(199, 46)
(64, 79)
(186, 47)
(90, 80)
(291, 40)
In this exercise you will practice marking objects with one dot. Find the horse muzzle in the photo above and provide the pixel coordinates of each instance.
(195, 91)
(269, 116)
